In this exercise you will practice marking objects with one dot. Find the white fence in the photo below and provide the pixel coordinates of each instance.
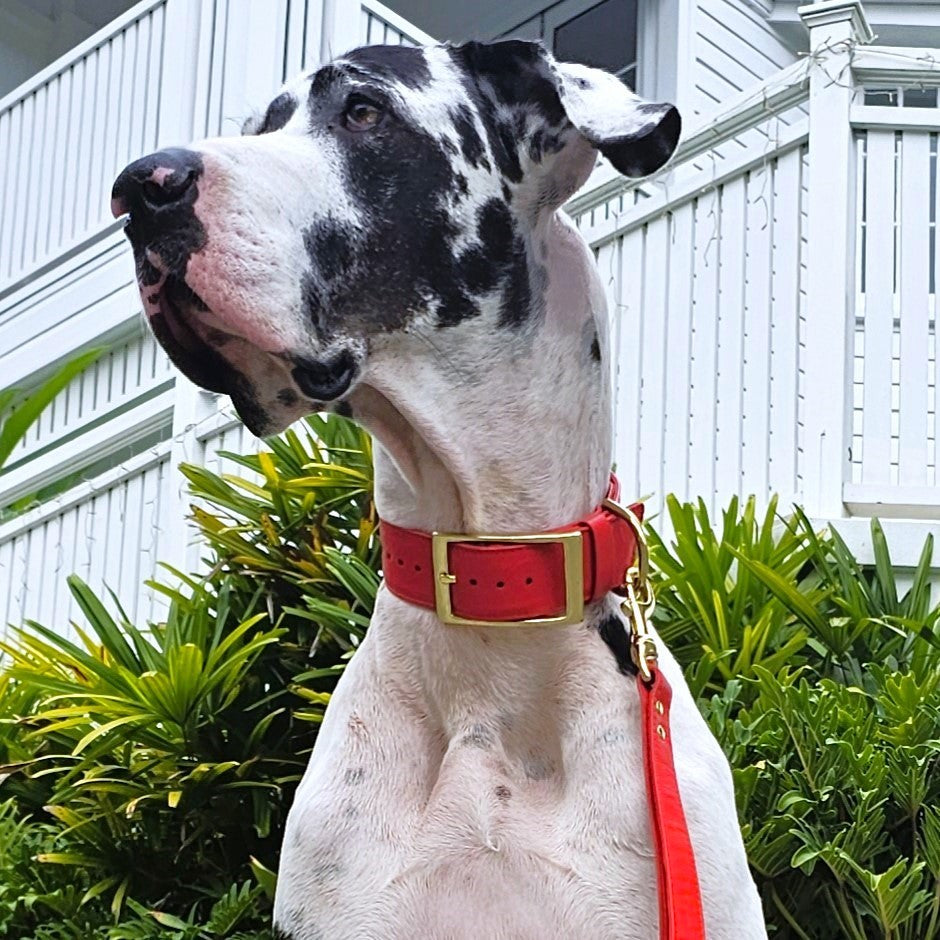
(745, 361)
(775, 308)
(91, 112)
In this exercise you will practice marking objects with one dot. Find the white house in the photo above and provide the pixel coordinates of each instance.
(772, 294)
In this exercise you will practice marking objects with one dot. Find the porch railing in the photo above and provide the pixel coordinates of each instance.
(774, 311)
(62, 134)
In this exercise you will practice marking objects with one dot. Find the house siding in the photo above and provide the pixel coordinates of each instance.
(733, 48)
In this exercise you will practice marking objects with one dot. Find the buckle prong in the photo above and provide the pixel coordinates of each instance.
(444, 579)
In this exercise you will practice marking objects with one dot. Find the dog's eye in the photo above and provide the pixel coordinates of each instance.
(361, 114)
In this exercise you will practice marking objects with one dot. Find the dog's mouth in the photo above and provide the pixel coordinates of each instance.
(172, 308)
(268, 389)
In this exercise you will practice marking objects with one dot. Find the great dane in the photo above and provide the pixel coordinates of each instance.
(387, 242)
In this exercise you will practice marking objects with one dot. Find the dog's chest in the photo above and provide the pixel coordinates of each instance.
(501, 830)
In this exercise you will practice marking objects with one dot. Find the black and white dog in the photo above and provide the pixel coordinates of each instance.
(386, 242)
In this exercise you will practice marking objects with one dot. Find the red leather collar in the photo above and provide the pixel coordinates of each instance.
(511, 579)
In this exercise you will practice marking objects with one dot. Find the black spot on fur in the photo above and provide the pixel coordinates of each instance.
(503, 793)
(462, 184)
(614, 633)
(518, 72)
(404, 262)
(323, 81)
(330, 248)
(538, 768)
(495, 230)
(355, 775)
(596, 348)
(470, 143)
(343, 409)
(499, 258)
(505, 146)
(517, 297)
(287, 396)
(246, 403)
(279, 112)
(507, 192)
(404, 64)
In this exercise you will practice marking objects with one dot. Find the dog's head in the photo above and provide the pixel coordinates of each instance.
(394, 190)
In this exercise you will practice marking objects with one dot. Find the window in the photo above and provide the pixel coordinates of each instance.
(600, 34)
(603, 36)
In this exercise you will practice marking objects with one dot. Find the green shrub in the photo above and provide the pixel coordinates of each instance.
(822, 684)
(162, 761)
(148, 771)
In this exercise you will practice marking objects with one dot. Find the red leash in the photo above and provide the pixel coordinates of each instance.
(513, 580)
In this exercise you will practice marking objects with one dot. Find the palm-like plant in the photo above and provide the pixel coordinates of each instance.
(167, 756)
(19, 409)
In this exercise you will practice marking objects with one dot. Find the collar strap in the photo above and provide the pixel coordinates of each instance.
(514, 580)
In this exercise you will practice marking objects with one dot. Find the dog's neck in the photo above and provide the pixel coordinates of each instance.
(522, 445)
(506, 435)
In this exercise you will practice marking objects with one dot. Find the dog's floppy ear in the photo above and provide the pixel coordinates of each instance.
(638, 137)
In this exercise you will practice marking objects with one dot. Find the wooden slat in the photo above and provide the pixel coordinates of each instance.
(630, 312)
(152, 75)
(609, 269)
(31, 178)
(730, 334)
(756, 362)
(914, 287)
(678, 351)
(19, 129)
(654, 364)
(879, 305)
(702, 387)
(67, 134)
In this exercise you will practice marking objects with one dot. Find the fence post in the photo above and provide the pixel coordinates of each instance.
(835, 28)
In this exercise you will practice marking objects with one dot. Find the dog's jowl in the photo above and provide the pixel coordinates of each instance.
(386, 241)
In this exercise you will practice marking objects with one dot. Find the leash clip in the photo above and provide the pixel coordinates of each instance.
(637, 608)
(639, 600)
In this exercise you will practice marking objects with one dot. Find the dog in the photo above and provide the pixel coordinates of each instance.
(386, 242)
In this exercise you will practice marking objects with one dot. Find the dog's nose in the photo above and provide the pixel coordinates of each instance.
(325, 379)
(163, 179)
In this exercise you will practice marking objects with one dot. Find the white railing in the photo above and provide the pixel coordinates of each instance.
(774, 311)
(115, 436)
(706, 280)
(894, 453)
(381, 26)
(68, 130)
(110, 531)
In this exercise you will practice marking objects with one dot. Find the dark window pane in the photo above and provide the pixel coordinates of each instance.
(920, 97)
(604, 36)
(885, 97)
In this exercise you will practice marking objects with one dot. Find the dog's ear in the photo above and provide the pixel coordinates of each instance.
(638, 137)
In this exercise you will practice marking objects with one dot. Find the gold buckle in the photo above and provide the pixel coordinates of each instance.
(571, 544)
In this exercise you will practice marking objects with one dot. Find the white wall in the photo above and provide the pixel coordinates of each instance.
(731, 46)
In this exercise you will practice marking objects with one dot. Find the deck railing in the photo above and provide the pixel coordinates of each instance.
(774, 310)
(66, 130)
(772, 295)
